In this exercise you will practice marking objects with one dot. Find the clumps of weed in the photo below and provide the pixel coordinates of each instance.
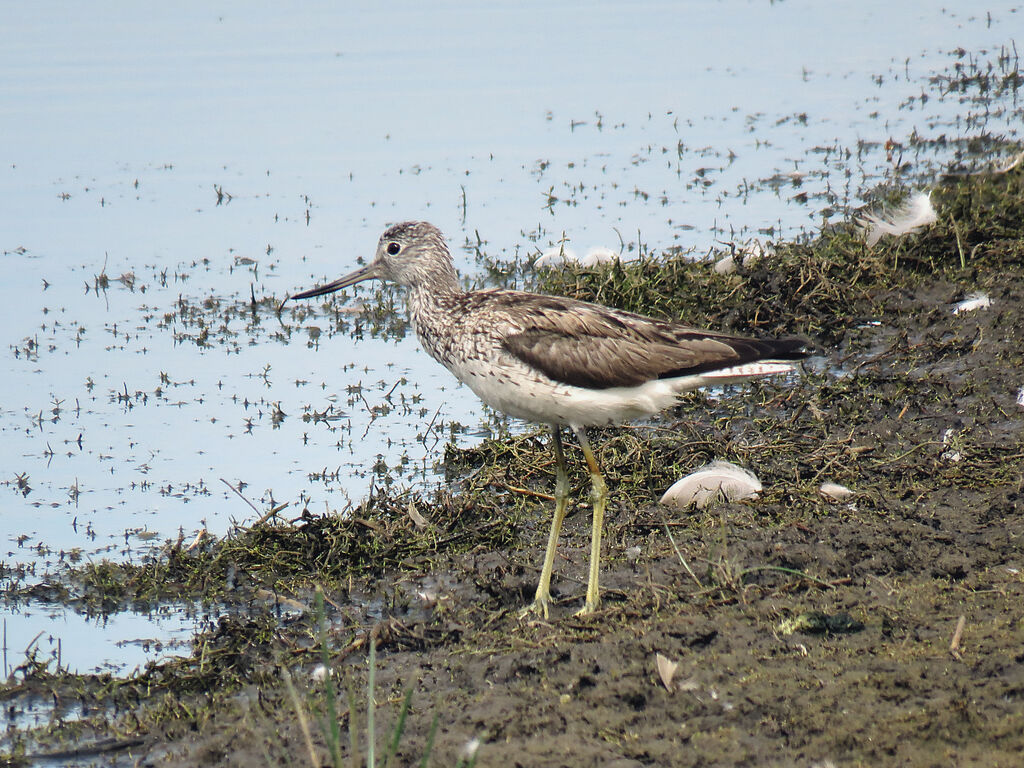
(391, 532)
(820, 287)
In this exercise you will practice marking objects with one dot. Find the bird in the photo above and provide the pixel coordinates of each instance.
(557, 361)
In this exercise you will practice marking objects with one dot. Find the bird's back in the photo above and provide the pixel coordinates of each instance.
(559, 360)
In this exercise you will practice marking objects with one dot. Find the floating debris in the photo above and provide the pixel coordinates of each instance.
(835, 492)
(915, 213)
(714, 481)
(1020, 397)
(972, 302)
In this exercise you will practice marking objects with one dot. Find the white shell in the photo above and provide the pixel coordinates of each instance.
(951, 455)
(835, 492)
(716, 480)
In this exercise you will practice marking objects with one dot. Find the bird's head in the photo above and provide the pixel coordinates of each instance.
(412, 254)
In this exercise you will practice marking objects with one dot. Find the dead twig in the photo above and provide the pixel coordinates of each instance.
(263, 517)
(239, 494)
(523, 491)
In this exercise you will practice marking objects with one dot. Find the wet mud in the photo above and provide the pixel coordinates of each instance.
(794, 630)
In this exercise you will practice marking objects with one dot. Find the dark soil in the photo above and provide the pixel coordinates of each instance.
(807, 632)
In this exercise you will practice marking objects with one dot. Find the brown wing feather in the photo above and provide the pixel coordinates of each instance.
(586, 345)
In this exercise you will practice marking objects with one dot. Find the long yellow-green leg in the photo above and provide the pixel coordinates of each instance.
(542, 600)
(599, 497)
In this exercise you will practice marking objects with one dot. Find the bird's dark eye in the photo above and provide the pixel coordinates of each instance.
(394, 248)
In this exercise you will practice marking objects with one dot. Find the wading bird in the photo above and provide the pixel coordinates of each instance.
(557, 361)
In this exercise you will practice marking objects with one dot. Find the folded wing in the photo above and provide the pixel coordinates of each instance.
(598, 348)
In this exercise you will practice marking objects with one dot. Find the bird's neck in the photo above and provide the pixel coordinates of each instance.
(433, 288)
(433, 308)
(427, 302)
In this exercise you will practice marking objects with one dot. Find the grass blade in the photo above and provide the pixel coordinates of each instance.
(332, 728)
(300, 713)
(430, 740)
(396, 735)
(371, 737)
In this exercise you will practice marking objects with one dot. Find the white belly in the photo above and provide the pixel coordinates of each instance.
(512, 388)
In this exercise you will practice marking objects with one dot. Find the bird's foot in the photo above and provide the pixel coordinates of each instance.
(589, 607)
(538, 608)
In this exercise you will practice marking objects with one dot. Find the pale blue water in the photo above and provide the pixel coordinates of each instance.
(514, 122)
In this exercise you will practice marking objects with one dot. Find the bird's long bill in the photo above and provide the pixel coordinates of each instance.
(363, 273)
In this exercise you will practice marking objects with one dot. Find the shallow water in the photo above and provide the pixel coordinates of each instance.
(117, 643)
(163, 166)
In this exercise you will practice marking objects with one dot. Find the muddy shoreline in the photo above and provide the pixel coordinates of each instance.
(884, 629)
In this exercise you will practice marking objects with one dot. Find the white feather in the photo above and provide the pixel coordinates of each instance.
(915, 213)
(717, 480)
(555, 256)
(726, 265)
(1007, 165)
(835, 492)
(746, 254)
(319, 673)
(469, 750)
(754, 249)
(666, 670)
(971, 303)
(598, 255)
(559, 255)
